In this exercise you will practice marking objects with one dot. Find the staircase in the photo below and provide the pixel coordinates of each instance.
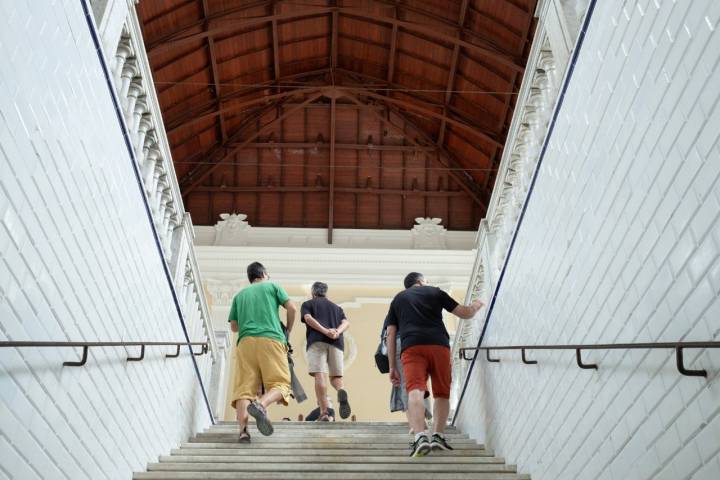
(314, 451)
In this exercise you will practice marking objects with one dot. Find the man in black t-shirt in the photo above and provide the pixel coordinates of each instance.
(325, 323)
(416, 314)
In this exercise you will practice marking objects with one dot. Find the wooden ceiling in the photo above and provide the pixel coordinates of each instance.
(337, 114)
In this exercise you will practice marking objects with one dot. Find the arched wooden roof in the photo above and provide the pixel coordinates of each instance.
(345, 113)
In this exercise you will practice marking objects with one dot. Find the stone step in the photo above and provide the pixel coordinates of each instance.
(308, 466)
(339, 422)
(158, 475)
(330, 426)
(278, 453)
(330, 430)
(325, 433)
(186, 457)
(267, 442)
(324, 436)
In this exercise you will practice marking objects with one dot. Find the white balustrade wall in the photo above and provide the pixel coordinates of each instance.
(620, 243)
(78, 254)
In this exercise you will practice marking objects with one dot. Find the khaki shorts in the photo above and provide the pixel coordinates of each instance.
(324, 358)
(260, 361)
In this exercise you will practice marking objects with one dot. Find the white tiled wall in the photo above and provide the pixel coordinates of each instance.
(78, 262)
(621, 243)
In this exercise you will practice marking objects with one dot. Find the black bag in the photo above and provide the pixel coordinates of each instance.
(381, 357)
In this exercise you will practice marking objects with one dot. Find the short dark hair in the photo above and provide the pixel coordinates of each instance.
(319, 289)
(255, 271)
(412, 278)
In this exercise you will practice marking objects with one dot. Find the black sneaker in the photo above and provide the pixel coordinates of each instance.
(420, 447)
(257, 411)
(438, 442)
(345, 409)
(244, 436)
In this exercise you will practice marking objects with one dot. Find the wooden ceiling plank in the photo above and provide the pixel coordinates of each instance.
(313, 189)
(511, 62)
(193, 182)
(341, 146)
(180, 30)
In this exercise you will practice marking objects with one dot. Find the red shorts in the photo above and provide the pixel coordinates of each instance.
(419, 361)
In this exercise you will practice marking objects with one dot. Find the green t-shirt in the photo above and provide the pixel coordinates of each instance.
(255, 309)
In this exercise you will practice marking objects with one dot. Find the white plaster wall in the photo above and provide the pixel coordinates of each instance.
(78, 262)
(621, 243)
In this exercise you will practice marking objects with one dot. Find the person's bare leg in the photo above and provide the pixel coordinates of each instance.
(272, 396)
(241, 413)
(336, 382)
(441, 410)
(321, 392)
(416, 411)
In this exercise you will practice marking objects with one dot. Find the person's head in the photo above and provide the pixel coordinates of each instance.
(414, 279)
(256, 271)
(319, 289)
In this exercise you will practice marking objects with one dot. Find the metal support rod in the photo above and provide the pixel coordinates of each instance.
(139, 358)
(526, 361)
(487, 355)
(201, 352)
(580, 363)
(174, 355)
(681, 365)
(82, 360)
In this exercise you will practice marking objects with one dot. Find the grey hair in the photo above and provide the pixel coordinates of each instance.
(319, 289)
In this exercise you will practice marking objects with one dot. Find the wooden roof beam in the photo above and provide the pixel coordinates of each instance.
(340, 146)
(192, 119)
(195, 180)
(214, 70)
(276, 45)
(464, 179)
(427, 109)
(453, 70)
(331, 189)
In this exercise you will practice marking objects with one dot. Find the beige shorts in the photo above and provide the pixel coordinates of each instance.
(324, 358)
(260, 361)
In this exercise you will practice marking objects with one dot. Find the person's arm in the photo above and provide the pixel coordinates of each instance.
(315, 325)
(233, 317)
(468, 311)
(391, 347)
(344, 325)
(291, 311)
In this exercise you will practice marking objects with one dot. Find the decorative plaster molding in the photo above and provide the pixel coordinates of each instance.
(317, 237)
(429, 234)
(232, 229)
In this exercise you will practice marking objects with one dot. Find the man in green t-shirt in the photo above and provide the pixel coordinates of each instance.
(261, 355)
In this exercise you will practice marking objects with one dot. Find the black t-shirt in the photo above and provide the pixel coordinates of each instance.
(417, 314)
(328, 315)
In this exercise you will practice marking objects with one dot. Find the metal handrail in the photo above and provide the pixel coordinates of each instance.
(86, 347)
(677, 346)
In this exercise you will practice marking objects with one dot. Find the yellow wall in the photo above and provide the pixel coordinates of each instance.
(368, 389)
